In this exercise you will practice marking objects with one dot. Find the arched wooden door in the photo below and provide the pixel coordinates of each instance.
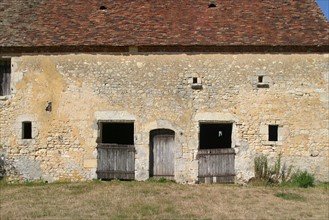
(162, 153)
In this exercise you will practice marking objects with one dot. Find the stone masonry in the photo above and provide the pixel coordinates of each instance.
(156, 91)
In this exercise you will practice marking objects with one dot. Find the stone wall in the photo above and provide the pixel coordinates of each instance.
(173, 91)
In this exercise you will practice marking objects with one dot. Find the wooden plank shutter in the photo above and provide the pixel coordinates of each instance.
(5, 75)
(116, 162)
(216, 165)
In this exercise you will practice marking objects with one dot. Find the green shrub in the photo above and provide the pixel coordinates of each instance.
(302, 179)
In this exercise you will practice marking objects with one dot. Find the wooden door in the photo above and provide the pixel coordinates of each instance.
(116, 162)
(162, 154)
(216, 165)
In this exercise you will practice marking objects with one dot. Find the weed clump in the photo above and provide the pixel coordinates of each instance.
(267, 175)
(279, 174)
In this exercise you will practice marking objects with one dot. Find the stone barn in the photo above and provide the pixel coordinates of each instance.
(190, 90)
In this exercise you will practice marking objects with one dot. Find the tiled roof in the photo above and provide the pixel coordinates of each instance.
(30, 23)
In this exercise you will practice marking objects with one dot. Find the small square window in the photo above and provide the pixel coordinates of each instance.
(196, 83)
(5, 72)
(273, 132)
(262, 81)
(27, 130)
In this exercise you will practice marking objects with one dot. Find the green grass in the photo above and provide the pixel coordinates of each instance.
(323, 185)
(160, 180)
(290, 196)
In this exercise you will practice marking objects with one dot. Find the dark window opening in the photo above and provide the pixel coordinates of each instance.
(27, 130)
(215, 136)
(102, 7)
(273, 132)
(117, 133)
(5, 72)
(212, 5)
(266, 86)
(195, 80)
(260, 79)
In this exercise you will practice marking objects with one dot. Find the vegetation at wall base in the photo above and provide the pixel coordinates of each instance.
(35, 182)
(279, 174)
(270, 175)
(160, 180)
(302, 179)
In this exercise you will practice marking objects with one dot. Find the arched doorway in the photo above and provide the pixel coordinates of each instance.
(162, 153)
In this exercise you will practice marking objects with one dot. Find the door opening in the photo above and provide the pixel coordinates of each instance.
(214, 136)
(117, 133)
(216, 156)
(116, 151)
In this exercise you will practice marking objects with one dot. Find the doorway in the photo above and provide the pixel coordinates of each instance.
(162, 153)
(216, 155)
(116, 151)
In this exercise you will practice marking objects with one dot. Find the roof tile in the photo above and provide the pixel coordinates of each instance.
(26, 23)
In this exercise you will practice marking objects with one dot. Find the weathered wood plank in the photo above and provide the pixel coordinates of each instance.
(216, 165)
(116, 161)
(5, 73)
(163, 155)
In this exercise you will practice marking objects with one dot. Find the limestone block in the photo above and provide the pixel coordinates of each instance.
(90, 163)
(263, 129)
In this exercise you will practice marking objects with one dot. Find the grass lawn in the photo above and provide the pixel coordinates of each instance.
(154, 200)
